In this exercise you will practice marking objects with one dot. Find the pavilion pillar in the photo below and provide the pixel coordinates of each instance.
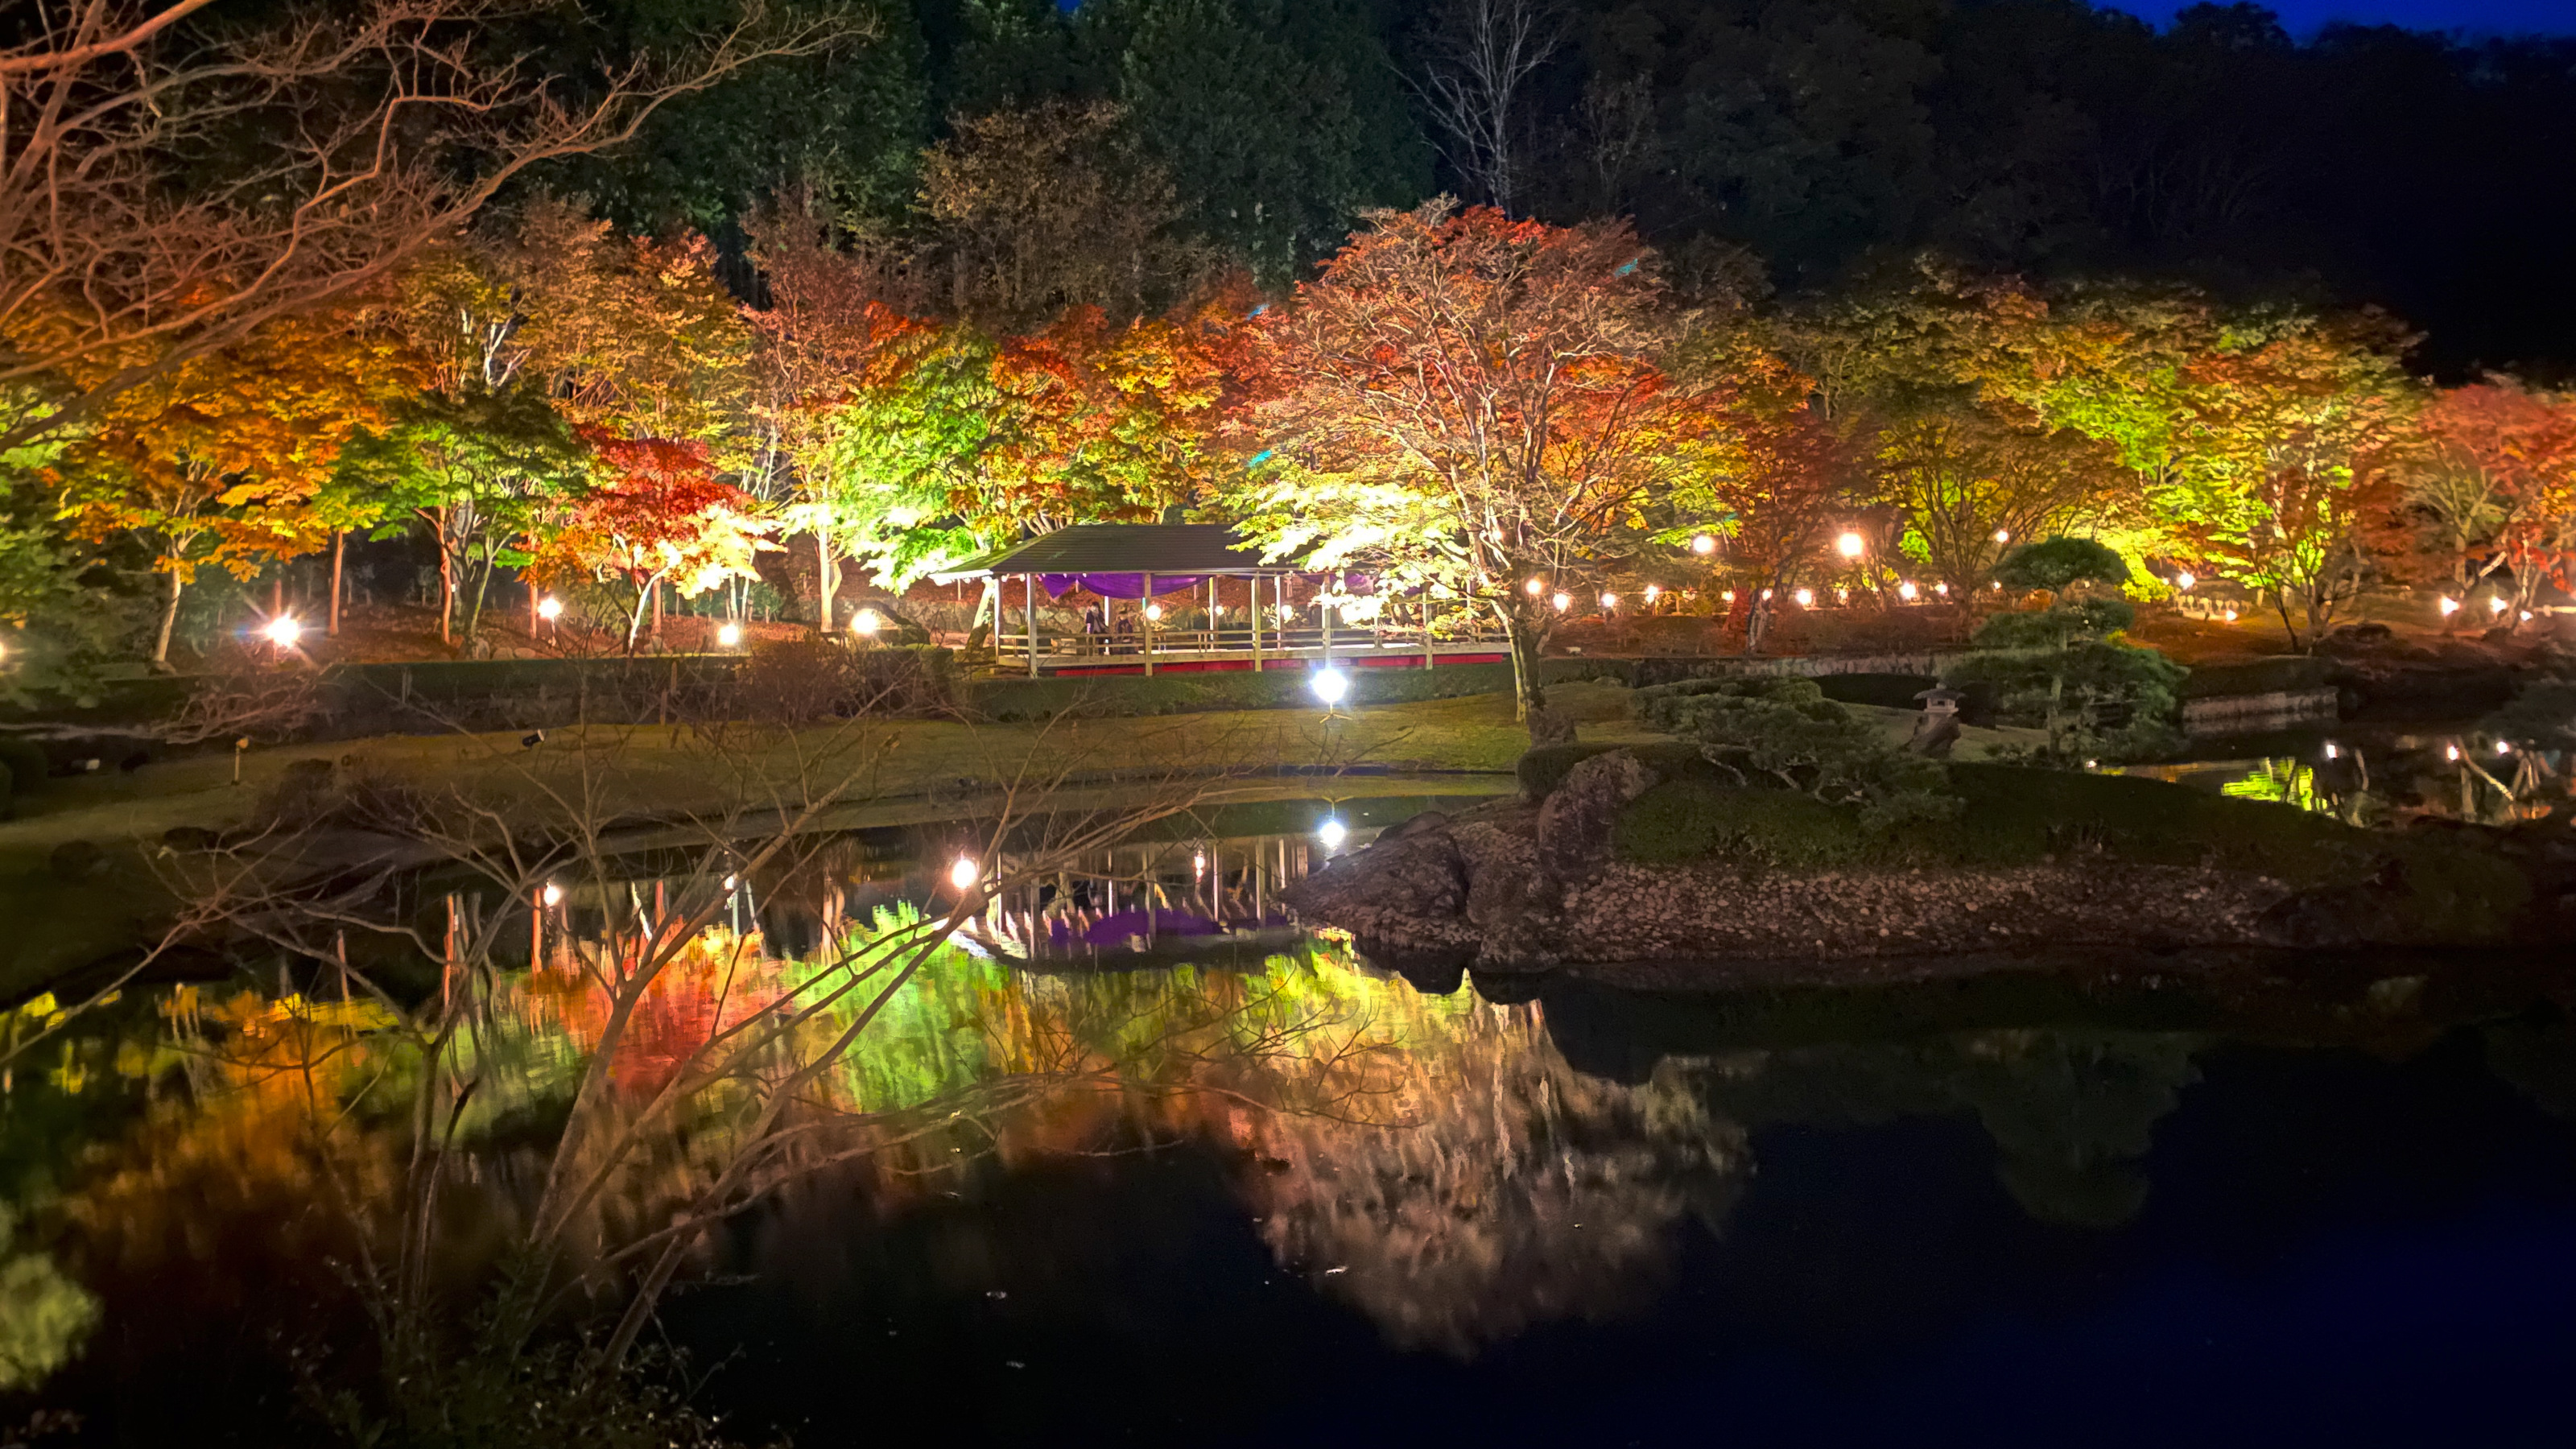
(1216, 636)
(1426, 626)
(1252, 607)
(1324, 619)
(1033, 623)
(1145, 616)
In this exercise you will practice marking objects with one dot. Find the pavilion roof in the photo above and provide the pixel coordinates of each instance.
(1120, 548)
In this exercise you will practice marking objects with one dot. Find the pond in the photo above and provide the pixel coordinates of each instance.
(1131, 1158)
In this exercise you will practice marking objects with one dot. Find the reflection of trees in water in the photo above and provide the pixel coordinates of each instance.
(2072, 1113)
(1507, 1191)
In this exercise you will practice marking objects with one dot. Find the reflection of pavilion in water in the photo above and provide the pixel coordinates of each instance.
(1137, 904)
(1153, 902)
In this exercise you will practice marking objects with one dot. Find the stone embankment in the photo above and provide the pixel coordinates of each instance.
(1517, 886)
(1481, 891)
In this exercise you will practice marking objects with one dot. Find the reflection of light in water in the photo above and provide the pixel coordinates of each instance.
(1332, 832)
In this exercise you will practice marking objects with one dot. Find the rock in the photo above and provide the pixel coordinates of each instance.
(77, 860)
(2361, 634)
(1551, 726)
(1575, 824)
(1512, 909)
(1422, 824)
(1408, 891)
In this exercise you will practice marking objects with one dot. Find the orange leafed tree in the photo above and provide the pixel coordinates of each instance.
(659, 515)
(217, 460)
(2494, 491)
(1100, 424)
(1469, 402)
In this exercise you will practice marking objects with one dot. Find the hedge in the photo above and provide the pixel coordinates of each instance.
(1202, 691)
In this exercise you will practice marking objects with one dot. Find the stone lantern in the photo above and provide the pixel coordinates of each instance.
(1937, 728)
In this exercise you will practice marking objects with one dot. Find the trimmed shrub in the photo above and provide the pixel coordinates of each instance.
(1698, 818)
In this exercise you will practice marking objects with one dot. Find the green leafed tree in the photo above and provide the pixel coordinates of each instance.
(478, 474)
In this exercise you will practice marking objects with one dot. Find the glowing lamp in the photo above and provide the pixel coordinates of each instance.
(1154, 612)
(1942, 589)
(1655, 590)
(866, 623)
(2002, 536)
(2184, 581)
(2504, 747)
(1535, 587)
(1850, 545)
(552, 895)
(1332, 832)
(2495, 604)
(1704, 544)
(2526, 616)
(1805, 597)
(1907, 591)
(2449, 606)
(1563, 601)
(1331, 686)
(729, 635)
(2231, 616)
(549, 608)
(1727, 597)
(283, 631)
(964, 873)
(1609, 601)
(2451, 752)
(2331, 750)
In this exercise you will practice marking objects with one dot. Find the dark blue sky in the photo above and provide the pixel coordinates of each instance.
(2302, 17)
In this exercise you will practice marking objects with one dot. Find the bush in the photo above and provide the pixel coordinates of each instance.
(1696, 818)
(1201, 691)
(800, 681)
(1542, 768)
(26, 762)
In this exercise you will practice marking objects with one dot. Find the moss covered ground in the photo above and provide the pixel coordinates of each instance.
(2011, 816)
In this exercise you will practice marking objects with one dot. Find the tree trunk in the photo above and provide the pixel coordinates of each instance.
(827, 584)
(169, 622)
(339, 555)
(635, 620)
(657, 611)
(1526, 639)
(446, 584)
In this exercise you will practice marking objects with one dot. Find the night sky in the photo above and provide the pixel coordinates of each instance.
(2302, 17)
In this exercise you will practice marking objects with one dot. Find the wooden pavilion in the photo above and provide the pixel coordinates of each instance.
(1140, 565)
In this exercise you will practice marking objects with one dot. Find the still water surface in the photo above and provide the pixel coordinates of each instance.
(1190, 1174)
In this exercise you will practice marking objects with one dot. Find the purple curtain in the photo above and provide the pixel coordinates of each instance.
(1118, 586)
